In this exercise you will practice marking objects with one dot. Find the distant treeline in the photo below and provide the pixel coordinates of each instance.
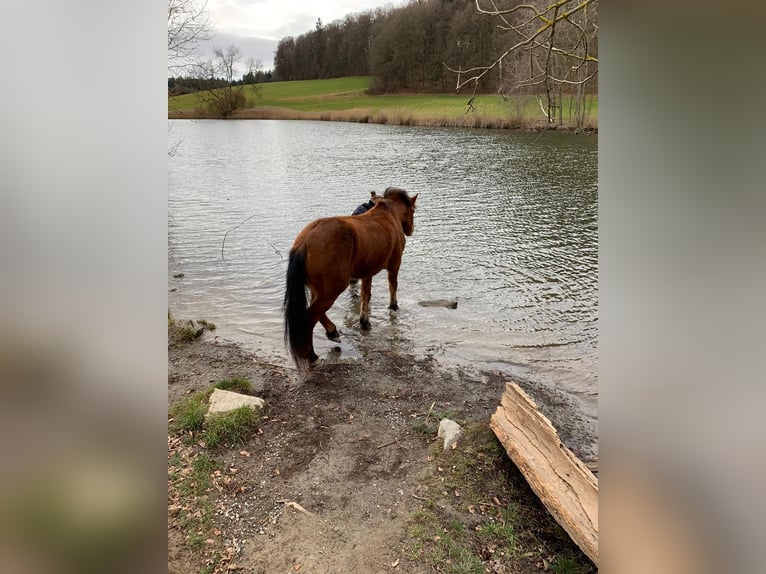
(404, 49)
(187, 85)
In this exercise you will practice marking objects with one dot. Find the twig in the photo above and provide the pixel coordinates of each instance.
(232, 229)
(275, 250)
(389, 443)
(428, 414)
(299, 508)
(419, 497)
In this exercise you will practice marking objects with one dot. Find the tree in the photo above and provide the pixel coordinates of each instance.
(188, 25)
(227, 98)
(554, 47)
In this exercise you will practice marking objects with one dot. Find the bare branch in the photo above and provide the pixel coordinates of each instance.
(188, 25)
(557, 37)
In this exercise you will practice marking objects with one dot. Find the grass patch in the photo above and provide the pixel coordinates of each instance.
(231, 428)
(480, 515)
(188, 416)
(189, 488)
(345, 99)
(235, 385)
(195, 476)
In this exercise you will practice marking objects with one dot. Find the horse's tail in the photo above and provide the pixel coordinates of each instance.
(297, 332)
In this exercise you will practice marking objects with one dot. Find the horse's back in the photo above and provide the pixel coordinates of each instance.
(348, 246)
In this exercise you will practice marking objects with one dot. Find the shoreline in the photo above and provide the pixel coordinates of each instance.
(401, 117)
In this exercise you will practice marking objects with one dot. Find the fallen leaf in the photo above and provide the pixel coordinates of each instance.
(454, 446)
(276, 471)
(395, 564)
(457, 492)
(472, 509)
(297, 567)
(244, 453)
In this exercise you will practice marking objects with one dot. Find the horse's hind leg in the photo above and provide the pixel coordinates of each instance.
(318, 311)
(329, 328)
(364, 315)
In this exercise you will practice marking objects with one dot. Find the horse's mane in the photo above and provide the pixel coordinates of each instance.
(398, 194)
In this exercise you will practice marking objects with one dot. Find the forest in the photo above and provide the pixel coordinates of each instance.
(422, 46)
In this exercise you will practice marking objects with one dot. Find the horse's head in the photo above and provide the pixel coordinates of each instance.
(405, 209)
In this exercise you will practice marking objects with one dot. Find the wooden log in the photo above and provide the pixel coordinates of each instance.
(565, 485)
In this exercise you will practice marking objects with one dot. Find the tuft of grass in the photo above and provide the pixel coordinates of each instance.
(231, 428)
(425, 427)
(567, 564)
(235, 385)
(189, 415)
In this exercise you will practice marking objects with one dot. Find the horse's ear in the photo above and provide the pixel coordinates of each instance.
(413, 198)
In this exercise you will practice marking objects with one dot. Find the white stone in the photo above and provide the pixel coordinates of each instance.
(224, 401)
(450, 431)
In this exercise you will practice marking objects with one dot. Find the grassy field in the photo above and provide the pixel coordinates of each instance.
(345, 99)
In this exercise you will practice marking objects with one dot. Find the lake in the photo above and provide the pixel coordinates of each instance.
(506, 224)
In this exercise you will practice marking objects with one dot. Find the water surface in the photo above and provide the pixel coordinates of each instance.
(507, 224)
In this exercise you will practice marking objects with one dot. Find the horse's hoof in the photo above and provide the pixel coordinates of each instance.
(393, 307)
(365, 324)
(313, 358)
(334, 336)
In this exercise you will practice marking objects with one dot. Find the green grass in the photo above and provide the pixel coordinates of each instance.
(231, 428)
(188, 416)
(345, 99)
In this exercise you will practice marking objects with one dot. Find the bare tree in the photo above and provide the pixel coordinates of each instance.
(229, 95)
(188, 25)
(554, 46)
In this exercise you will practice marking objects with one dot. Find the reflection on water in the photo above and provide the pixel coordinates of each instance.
(507, 224)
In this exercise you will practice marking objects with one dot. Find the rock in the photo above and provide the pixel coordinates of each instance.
(224, 401)
(179, 275)
(448, 303)
(196, 328)
(450, 431)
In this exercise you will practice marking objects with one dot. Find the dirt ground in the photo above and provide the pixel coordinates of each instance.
(340, 464)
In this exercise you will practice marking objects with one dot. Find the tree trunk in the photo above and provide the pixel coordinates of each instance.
(566, 487)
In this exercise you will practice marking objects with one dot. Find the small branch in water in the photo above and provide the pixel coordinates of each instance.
(232, 229)
(275, 250)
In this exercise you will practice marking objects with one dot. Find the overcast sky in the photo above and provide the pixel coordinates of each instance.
(256, 26)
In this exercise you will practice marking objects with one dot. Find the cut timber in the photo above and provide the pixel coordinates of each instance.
(564, 484)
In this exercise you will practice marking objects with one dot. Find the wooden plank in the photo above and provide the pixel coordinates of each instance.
(565, 485)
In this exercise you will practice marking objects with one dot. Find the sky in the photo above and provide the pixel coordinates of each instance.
(256, 26)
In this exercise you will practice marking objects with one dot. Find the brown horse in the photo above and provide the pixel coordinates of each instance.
(331, 251)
